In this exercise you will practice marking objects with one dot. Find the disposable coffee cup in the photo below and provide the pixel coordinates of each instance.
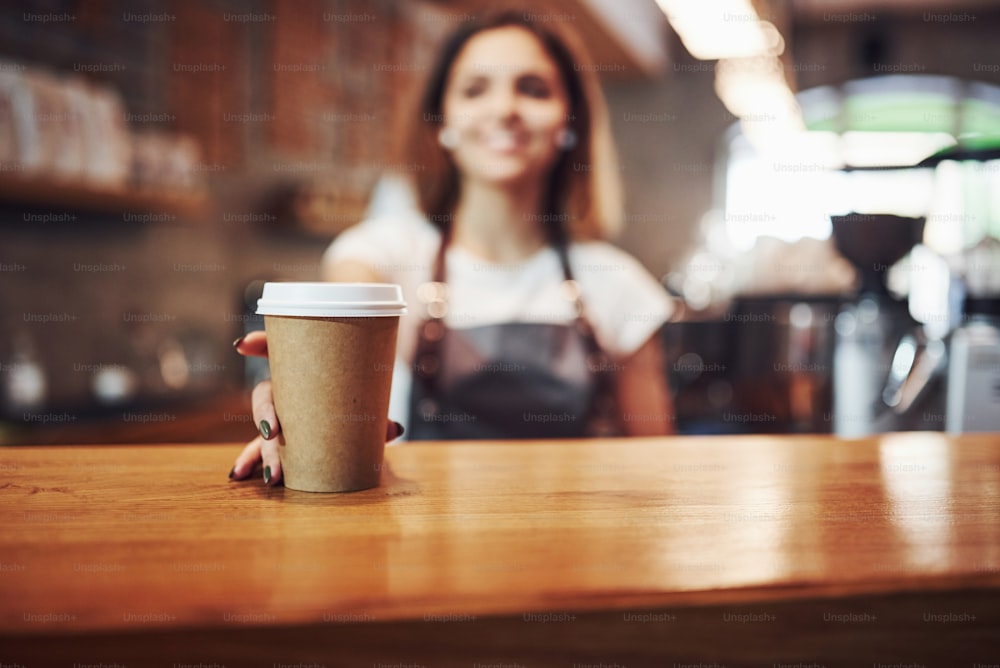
(331, 348)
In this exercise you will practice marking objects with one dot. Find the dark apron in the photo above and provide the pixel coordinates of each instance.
(512, 380)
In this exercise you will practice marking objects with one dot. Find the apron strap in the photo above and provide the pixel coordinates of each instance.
(437, 273)
(562, 250)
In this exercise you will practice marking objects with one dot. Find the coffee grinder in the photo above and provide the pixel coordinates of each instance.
(876, 337)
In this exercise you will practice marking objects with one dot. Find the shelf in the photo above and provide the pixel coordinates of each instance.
(46, 192)
(222, 416)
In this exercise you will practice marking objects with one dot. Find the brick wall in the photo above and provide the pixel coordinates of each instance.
(276, 94)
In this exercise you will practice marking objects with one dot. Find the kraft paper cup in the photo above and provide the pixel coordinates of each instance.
(331, 348)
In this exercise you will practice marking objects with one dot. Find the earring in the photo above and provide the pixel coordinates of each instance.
(566, 139)
(448, 138)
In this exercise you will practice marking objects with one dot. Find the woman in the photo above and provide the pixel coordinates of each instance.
(522, 323)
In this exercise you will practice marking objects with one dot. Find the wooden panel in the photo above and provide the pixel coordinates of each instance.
(872, 631)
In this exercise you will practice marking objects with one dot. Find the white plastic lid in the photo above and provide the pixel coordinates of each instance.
(331, 300)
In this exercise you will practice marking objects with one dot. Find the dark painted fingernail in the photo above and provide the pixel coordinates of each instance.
(400, 430)
(265, 429)
(267, 475)
(232, 472)
(238, 341)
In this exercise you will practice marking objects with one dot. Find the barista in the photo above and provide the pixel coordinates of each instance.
(523, 323)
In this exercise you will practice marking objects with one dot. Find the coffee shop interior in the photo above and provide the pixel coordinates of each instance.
(815, 183)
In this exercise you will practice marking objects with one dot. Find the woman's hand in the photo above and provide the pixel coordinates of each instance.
(263, 450)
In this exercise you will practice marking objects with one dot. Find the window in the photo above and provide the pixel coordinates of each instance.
(860, 137)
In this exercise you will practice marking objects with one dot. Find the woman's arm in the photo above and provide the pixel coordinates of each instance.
(643, 395)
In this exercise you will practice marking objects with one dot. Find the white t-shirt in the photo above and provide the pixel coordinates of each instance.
(624, 303)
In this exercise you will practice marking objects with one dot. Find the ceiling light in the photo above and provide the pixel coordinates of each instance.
(716, 29)
(755, 90)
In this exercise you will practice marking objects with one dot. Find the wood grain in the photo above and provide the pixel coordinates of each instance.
(750, 550)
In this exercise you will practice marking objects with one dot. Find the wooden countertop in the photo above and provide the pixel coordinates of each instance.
(746, 550)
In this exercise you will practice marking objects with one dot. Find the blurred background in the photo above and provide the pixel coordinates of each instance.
(816, 182)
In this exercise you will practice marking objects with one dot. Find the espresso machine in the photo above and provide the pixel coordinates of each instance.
(878, 343)
(974, 346)
(891, 372)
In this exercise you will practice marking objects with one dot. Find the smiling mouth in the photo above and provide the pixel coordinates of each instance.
(502, 142)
